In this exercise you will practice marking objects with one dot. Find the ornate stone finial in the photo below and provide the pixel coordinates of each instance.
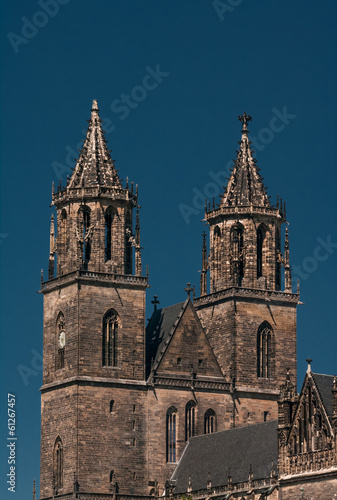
(155, 301)
(244, 119)
(94, 105)
(309, 361)
(188, 289)
(34, 490)
(41, 275)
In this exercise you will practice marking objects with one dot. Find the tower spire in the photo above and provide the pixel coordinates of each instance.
(94, 166)
(245, 186)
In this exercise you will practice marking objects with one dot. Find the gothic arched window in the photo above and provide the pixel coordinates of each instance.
(110, 333)
(60, 341)
(171, 434)
(237, 253)
(108, 233)
(58, 465)
(210, 422)
(189, 419)
(84, 234)
(264, 350)
(260, 235)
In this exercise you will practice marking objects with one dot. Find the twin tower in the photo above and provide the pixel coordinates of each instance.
(119, 399)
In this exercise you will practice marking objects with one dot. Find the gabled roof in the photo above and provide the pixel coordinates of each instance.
(94, 166)
(212, 455)
(159, 328)
(245, 186)
(324, 387)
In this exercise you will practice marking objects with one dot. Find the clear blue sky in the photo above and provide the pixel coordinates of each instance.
(261, 57)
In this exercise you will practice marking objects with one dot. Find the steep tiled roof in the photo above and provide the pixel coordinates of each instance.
(159, 328)
(324, 386)
(245, 186)
(212, 455)
(94, 166)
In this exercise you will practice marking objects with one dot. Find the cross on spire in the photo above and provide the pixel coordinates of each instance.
(155, 301)
(244, 119)
(188, 289)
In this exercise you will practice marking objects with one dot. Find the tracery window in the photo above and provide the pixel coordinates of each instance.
(264, 350)
(58, 464)
(110, 334)
(171, 434)
(210, 422)
(190, 419)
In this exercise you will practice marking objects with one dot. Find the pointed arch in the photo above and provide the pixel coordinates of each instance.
(264, 350)
(210, 421)
(109, 215)
(171, 434)
(58, 464)
(110, 328)
(190, 419)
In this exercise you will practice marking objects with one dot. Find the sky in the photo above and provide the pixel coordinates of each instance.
(171, 78)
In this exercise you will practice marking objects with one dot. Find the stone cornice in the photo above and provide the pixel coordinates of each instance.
(94, 277)
(246, 293)
(86, 380)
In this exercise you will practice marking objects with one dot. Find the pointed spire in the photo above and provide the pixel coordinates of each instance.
(34, 490)
(245, 186)
(94, 166)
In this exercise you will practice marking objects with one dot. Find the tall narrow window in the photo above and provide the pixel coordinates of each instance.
(237, 254)
(58, 465)
(264, 348)
(84, 234)
(60, 341)
(189, 420)
(171, 434)
(110, 332)
(259, 250)
(210, 421)
(108, 234)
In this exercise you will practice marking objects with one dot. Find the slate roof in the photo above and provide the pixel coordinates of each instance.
(234, 449)
(159, 328)
(324, 386)
(95, 166)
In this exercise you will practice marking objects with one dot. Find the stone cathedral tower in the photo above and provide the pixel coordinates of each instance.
(250, 321)
(97, 289)
(120, 402)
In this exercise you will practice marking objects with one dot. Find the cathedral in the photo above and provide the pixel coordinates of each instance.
(201, 402)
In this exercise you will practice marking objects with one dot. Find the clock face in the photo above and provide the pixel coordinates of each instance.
(62, 339)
